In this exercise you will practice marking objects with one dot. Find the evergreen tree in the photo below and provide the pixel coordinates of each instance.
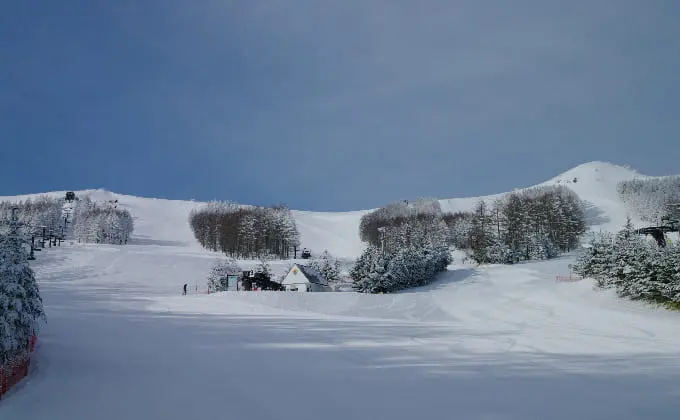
(630, 255)
(408, 247)
(362, 264)
(482, 233)
(500, 253)
(21, 308)
(362, 271)
(379, 278)
(328, 266)
(636, 268)
(671, 264)
(597, 261)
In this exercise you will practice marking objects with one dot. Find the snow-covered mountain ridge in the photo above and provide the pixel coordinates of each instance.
(166, 220)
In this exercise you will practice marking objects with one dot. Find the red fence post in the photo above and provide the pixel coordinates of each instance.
(3, 381)
(14, 371)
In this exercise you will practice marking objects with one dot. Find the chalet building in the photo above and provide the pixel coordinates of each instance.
(302, 278)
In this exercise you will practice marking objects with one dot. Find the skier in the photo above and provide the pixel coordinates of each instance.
(185, 289)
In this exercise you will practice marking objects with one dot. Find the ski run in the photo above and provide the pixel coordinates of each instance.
(489, 342)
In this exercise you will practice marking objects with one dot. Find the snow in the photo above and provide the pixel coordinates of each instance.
(164, 222)
(596, 185)
(497, 342)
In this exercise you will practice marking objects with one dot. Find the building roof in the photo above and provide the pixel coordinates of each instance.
(312, 275)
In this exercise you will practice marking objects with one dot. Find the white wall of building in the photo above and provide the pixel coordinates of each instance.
(295, 279)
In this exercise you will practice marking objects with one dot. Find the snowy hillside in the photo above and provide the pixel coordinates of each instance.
(594, 182)
(492, 342)
(160, 221)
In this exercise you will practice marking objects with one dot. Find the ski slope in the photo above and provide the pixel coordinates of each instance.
(496, 342)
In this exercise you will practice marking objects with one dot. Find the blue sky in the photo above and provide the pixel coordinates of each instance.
(332, 105)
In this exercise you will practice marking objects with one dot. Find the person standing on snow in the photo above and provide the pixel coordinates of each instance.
(185, 289)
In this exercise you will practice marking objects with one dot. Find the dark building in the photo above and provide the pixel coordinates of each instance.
(258, 281)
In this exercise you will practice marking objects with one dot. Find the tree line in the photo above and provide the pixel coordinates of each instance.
(245, 231)
(635, 267)
(651, 199)
(407, 246)
(35, 214)
(537, 223)
(80, 219)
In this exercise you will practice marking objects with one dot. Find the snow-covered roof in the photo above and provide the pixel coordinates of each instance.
(312, 275)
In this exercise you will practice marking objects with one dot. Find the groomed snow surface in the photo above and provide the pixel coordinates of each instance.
(497, 342)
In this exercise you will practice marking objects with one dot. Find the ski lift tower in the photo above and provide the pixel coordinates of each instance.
(670, 223)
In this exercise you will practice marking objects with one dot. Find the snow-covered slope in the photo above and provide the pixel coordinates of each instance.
(163, 221)
(594, 182)
(496, 342)
(499, 342)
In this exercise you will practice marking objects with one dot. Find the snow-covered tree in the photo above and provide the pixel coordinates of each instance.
(21, 308)
(363, 266)
(217, 278)
(460, 229)
(536, 223)
(598, 259)
(651, 199)
(373, 275)
(636, 268)
(407, 247)
(34, 214)
(263, 265)
(500, 253)
(245, 231)
(101, 222)
(328, 266)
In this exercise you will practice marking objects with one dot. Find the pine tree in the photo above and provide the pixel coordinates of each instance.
(328, 266)
(598, 260)
(500, 253)
(364, 274)
(630, 255)
(379, 278)
(482, 233)
(671, 264)
(361, 265)
(21, 308)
